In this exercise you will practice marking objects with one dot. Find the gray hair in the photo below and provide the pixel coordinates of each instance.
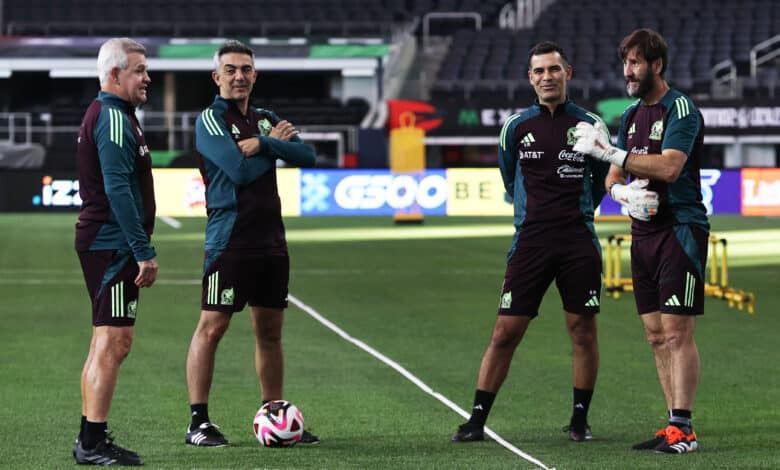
(113, 53)
(231, 45)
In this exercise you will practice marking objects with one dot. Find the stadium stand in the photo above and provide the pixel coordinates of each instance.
(202, 18)
(701, 33)
(485, 63)
(700, 36)
(205, 18)
(269, 17)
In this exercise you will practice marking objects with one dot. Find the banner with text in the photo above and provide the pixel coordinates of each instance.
(372, 192)
(761, 191)
(459, 191)
(477, 191)
(181, 192)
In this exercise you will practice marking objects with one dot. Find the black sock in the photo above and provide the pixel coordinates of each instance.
(265, 401)
(580, 406)
(81, 429)
(200, 414)
(681, 419)
(483, 401)
(93, 433)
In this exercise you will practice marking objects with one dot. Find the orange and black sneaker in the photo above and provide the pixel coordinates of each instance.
(677, 441)
(650, 444)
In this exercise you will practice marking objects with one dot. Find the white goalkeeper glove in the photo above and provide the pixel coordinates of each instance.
(594, 141)
(641, 203)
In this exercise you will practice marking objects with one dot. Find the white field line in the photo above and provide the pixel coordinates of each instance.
(298, 271)
(80, 282)
(412, 378)
(170, 221)
(377, 233)
(77, 271)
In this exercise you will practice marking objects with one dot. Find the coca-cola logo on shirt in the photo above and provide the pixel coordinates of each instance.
(571, 156)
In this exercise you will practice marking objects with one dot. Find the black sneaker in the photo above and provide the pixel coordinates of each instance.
(308, 438)
(651, 444)
(207, 434)
(106, 453)
(468, 432)
(578, 435)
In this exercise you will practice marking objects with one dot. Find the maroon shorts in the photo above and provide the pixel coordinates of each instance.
(575, 267)
(110, 277)
(233, 279)
(667, 269)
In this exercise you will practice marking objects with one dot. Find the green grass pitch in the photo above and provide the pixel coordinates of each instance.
(423, 296)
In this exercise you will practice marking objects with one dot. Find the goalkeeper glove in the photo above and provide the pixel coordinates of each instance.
(594, 141)
(641, 203)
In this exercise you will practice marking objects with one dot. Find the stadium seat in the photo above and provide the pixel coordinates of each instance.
(763, 85)
(111, 28)
(285, 28)
(149, 28)
(26, 28)
(200, 29)
(74, 28)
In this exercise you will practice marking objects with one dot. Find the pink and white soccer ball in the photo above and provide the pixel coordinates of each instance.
(278, 423)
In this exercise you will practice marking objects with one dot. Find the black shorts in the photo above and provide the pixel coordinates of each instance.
(233, 279)
(110, 277)
(668, 268)
(575, 267)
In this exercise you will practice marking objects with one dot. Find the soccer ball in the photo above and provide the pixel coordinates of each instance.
(278, 423)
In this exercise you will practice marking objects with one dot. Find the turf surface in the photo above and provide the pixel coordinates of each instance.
(423, 296)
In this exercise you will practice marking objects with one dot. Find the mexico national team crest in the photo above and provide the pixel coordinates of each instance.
(657, 130)
(226, 298)
(264, 126)
(132, 309)
(506, 300)
(570, 139)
